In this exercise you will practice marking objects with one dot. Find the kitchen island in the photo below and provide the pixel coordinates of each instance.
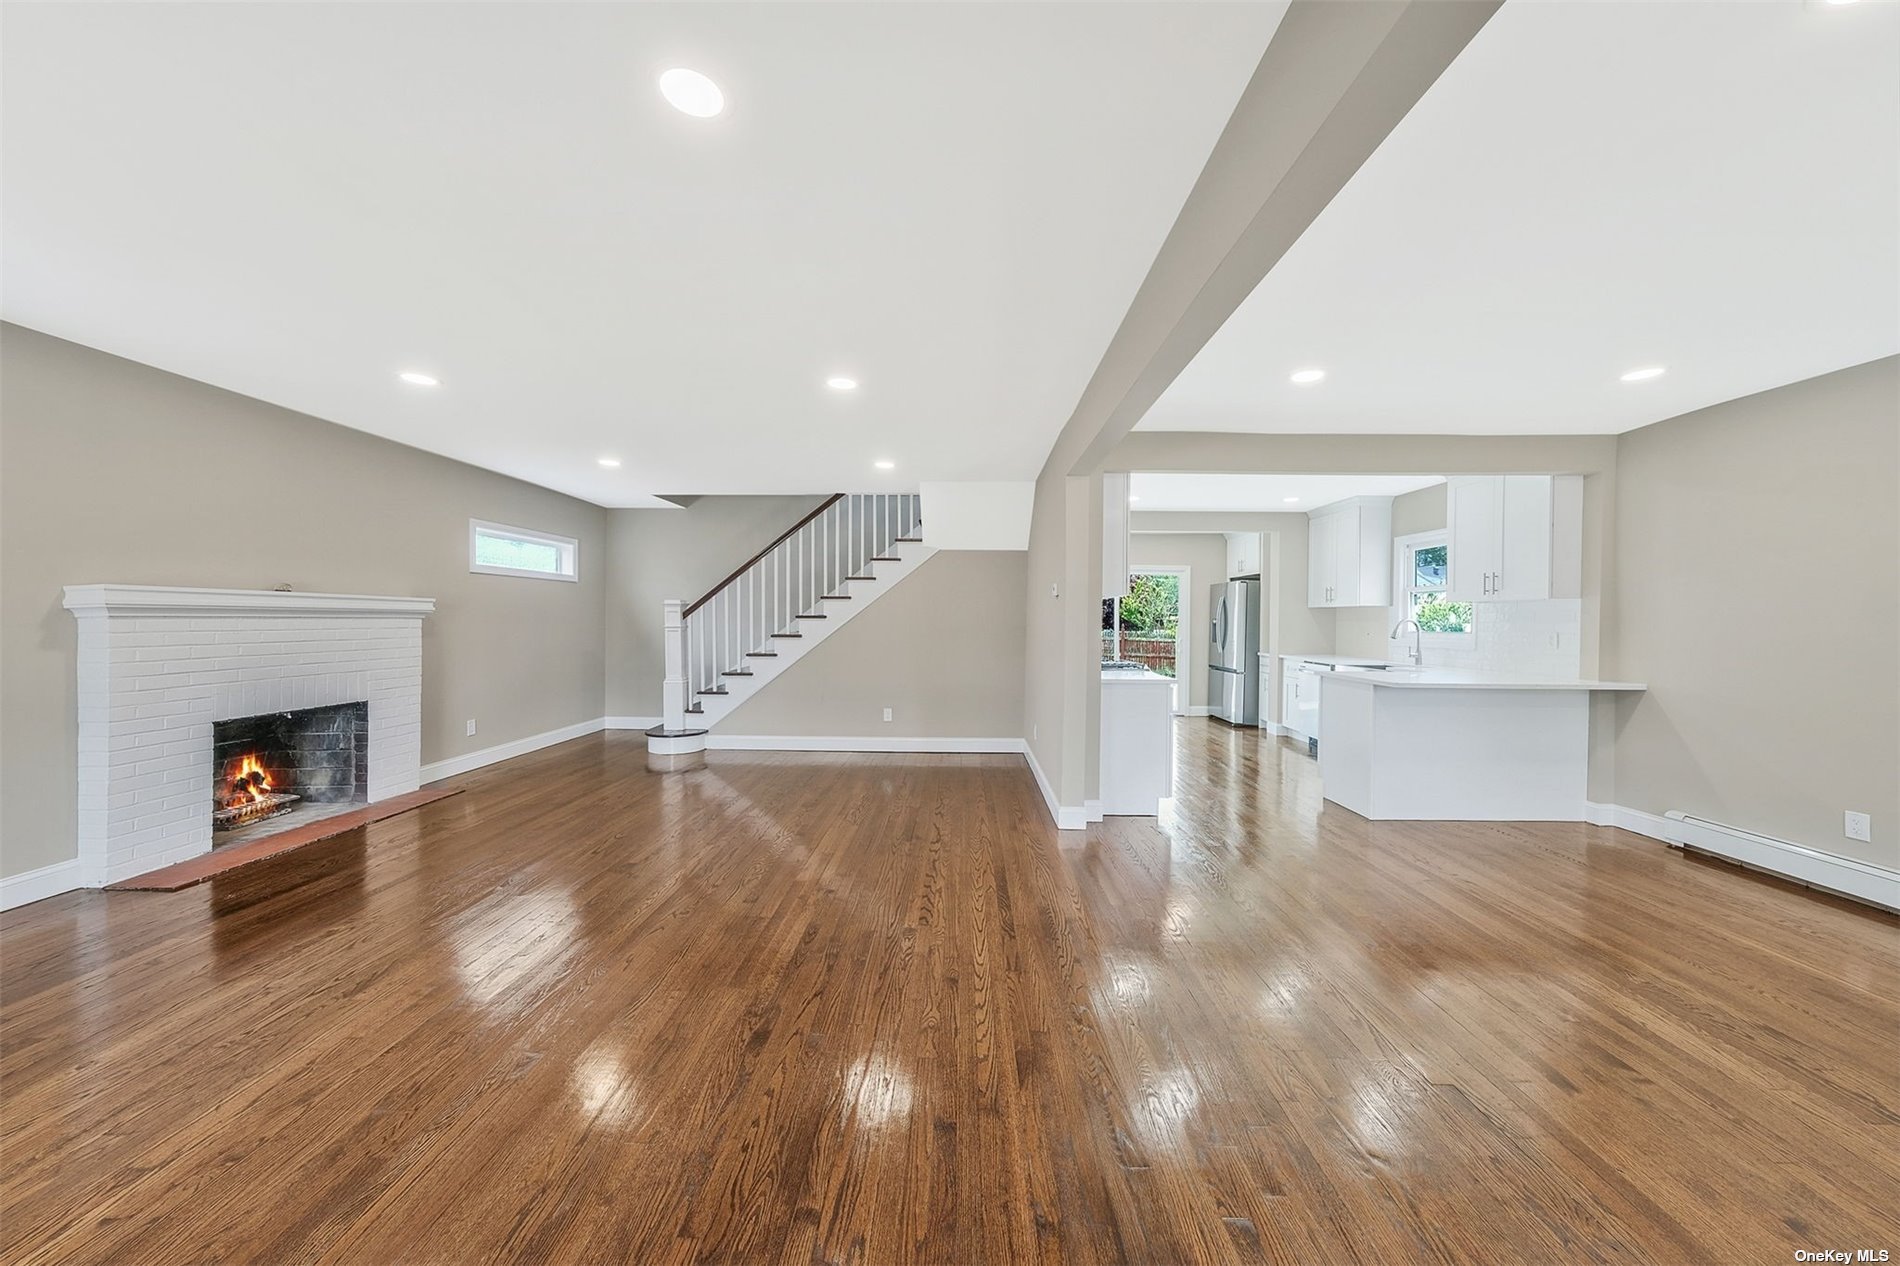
(1443, 744)
(1137, 770)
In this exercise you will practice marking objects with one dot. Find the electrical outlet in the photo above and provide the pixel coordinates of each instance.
(1860, 826)
(1035, 731)
(1055, 590)
(887, 714)
(471, 727)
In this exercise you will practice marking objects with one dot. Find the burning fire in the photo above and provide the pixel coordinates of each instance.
(251, 783)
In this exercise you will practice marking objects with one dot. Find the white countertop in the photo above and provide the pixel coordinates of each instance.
(1334, 659)
(1124, 676)
(1460, 679)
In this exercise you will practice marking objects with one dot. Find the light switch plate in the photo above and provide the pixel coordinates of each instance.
(471, 727)
(887, 714)
(1860, 826)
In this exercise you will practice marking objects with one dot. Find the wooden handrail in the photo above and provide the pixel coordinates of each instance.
(746, 566)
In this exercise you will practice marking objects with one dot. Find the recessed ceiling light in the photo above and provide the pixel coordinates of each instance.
(885, 465)
(842, 384)
(610, 462)
(1644, 374)
(1304, 376)
(416, 378)
(1289, 500)
(692, 93)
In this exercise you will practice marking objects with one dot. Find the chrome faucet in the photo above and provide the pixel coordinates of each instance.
(1417, 636)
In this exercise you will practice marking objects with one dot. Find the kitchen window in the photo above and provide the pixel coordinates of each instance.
(1424, 568)
(495, 549)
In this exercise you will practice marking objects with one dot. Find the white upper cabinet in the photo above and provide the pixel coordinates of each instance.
(1243, 554)
(1514, 537)
(1321, 559)
(1349, 554)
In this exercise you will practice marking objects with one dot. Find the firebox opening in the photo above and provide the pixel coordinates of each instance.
(287, 765)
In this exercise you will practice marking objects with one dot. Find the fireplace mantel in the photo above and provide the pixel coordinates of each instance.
(160, 666)
(162, 600)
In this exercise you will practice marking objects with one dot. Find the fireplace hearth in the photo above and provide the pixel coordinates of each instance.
(308, 763)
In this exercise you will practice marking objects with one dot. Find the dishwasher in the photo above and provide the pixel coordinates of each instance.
(1303, 714)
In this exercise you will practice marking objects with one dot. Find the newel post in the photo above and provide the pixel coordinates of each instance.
(673, 692)
(672, 745)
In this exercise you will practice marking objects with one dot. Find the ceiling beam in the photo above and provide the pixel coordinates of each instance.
(1335, 80)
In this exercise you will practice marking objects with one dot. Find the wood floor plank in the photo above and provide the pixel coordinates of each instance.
(846, 1008)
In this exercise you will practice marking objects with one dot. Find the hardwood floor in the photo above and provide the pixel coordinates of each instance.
(876, 1009)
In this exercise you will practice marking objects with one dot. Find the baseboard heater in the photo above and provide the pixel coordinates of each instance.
(1843, 876)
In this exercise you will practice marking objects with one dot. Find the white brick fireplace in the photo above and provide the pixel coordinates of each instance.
(158, 666)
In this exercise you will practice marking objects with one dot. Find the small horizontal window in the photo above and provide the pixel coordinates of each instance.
(498, 550)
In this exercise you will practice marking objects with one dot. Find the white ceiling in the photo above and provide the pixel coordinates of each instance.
(953, 203)
(1591, 188)
(1263, 492)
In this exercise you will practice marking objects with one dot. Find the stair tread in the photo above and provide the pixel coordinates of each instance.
(761, 654)
(738, 672)
(887, 558)
(811, 615)
(788, 635)
(832, 597)
(860, 577)
(914, 540)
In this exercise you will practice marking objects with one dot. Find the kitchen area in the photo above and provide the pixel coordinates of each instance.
(1421, 638)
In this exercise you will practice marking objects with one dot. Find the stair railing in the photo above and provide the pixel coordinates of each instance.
(710, 642)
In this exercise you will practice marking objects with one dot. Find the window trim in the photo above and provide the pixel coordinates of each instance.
(1402, 548)
(569, 547)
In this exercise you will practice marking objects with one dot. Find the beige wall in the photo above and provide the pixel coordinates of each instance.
(1758, 594)
(1204, 554)
(943, 650)
(653, 555)
(111, 471)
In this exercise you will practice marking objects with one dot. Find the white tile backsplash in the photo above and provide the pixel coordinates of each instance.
(1535, 638)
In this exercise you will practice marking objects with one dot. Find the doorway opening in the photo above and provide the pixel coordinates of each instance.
(1146, 625)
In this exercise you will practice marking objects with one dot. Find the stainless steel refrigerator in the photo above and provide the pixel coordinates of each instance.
(1233, 652)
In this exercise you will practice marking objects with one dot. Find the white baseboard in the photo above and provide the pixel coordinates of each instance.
(1198, 710)
(847, 743)
(1843, 876)
(38, 885)
(438, 770)
(631, 723)
(1067, 817)
(1092, 809)
(1653, 825)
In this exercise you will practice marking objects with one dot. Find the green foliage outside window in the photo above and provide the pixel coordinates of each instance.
(1152, 606)
(1436, 613)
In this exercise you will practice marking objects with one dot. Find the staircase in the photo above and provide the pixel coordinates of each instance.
(793, 594)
